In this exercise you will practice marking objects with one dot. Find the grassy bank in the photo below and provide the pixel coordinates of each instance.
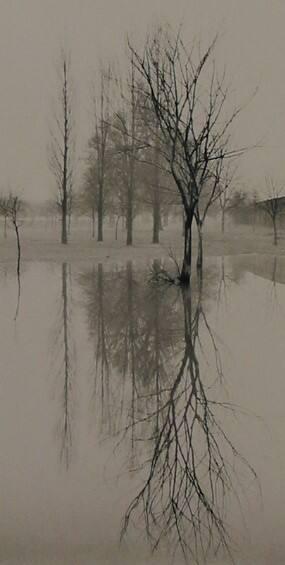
(39, 244)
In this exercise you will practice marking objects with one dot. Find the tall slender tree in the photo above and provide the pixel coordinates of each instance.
(62, 144)
(127, 132)
(99, 143)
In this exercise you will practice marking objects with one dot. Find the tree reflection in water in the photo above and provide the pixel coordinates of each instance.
(63, 350)
(131, 329)
(158, 359)
(101, 290)
(193, 459)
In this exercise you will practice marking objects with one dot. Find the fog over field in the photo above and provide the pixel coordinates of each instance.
(33, 31)
(142, 282)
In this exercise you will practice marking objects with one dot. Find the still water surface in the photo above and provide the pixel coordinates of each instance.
(129, 404)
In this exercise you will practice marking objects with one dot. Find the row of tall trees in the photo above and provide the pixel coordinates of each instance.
(162, 135)
(123, 173)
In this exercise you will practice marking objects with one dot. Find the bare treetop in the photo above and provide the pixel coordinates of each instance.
(62, 143)
(189, 98)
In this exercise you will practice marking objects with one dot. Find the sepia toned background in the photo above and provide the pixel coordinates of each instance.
(252, 46)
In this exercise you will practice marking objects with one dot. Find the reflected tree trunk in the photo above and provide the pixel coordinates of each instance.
(102, 356)
(18, 295)
(157, 364)
(63, 359)
(131, 340)
(66, 425)
(190, 471)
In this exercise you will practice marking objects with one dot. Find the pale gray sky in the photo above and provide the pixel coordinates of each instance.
(31, 33)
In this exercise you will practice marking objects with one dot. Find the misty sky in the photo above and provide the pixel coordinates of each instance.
(252, 45)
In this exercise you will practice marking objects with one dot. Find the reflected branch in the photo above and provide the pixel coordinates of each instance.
(63, 359)
(193, 461)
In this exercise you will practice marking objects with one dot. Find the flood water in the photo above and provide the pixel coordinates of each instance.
(131, 408)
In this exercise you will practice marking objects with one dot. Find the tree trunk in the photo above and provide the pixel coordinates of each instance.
(254, 219)
(223, 221)
(156, 219)
(64, 204)
(132, 157)
(100, 213)
(5, 227)
(116, 228)
(274, 270)
(183, 223)
(18, 247)
(64, 221)
(130, 212)
(200, 246)
(93, 222)
(275, 240)
(156, 192)
(69, 222)
(187, 259)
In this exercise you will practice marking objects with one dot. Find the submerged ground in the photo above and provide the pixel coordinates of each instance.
(89, 355)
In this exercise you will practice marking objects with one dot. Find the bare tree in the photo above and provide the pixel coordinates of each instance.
(224, 194)
(152, 170)
(132, 149)
(127, 125)
(149, 166)
(10, 206)
(62, 144)
(3, 213)
(273, 206)
(189, 100)
(88, 197)
(99, 144)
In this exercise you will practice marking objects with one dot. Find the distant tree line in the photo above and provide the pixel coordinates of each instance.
(160, 137)
(124, 175)
(161, 141)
